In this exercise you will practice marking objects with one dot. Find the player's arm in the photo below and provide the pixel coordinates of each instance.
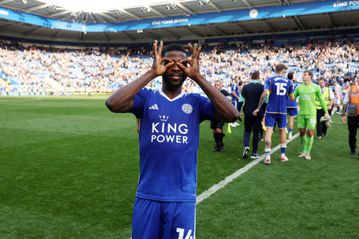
(344, 116)
(223, 108)
(291, 97)
(291, 92)
(122, 100)
(241, 100)
(234, 94)
(345, 105)
(261, 101)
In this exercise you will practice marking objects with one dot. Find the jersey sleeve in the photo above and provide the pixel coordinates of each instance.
(139, 101)
(206, 109)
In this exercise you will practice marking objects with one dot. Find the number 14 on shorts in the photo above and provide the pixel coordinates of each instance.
(181, 233)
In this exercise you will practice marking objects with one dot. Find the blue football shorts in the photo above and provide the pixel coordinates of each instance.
(272, 119)
(292, 111)
(163, 220)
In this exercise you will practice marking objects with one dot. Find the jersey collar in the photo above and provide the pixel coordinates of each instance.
(164, 95)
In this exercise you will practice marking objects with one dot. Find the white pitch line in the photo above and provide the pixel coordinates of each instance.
(212, 190)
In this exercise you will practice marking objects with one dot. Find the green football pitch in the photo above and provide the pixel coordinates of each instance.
(69, 168)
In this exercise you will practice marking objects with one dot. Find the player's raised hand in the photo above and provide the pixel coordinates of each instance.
(190, 66)
(160, 64)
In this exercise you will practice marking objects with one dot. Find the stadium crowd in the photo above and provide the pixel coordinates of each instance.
(53, 71)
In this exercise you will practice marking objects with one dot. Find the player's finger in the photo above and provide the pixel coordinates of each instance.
(155, 48)
(197, 47)
(190, 47)
(183, 68)
(196, 50)
(160, 48)
(169, 64)
(163, 59)
(167, 61)
(154, 52)
(186, 61)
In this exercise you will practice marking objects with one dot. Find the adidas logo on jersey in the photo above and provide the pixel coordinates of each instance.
(154, 107)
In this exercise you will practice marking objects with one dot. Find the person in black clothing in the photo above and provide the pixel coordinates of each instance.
(251, 94)
(351, 115)
(217, 126)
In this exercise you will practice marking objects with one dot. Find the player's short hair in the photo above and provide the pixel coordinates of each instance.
(173, 47)
(321, 79)
(255, 75)
(280, 67)
(309, 73)
(290, 75)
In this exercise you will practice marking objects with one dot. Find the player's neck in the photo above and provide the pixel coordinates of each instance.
(172, 93)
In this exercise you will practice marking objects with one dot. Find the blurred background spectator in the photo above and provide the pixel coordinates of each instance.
(34, 70)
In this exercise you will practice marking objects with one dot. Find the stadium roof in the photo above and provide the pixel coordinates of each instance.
(164, 9)
(135, 11)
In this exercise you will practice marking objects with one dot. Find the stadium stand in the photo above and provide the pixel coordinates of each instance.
(47, 49)
(50, 71)
(69, 168)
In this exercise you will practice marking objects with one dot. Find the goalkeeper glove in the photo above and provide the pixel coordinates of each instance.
(327, 119)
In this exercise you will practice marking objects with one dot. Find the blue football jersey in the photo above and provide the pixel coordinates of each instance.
(234, 88)
(279, 88)
(292, 103)
(168, 137)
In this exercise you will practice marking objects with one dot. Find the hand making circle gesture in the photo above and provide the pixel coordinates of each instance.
(158, 65)
(192, 63)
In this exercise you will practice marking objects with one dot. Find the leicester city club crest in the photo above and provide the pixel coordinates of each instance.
(187, 108)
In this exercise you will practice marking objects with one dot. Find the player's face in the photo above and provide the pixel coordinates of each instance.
(306, 78)
(218, 85)
(321, 84)
(174, 76)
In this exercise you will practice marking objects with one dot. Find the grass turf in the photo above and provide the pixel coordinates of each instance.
(69, 169)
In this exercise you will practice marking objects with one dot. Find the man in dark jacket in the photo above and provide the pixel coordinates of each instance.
(250, 96)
